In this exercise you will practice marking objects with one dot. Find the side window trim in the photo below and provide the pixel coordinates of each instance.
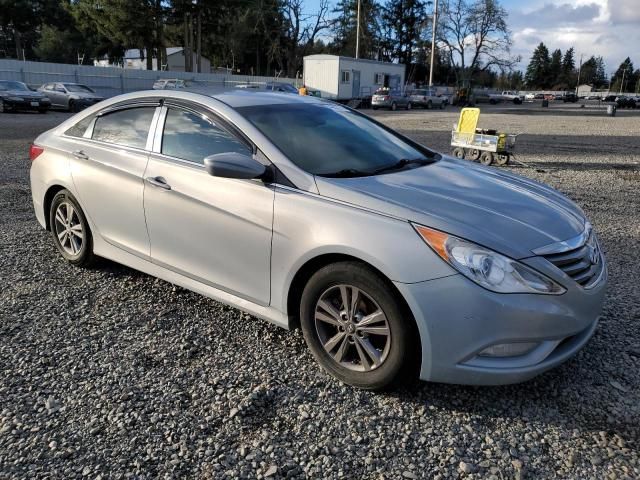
(214, 119)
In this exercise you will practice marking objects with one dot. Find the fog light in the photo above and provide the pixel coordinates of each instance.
(508, 349)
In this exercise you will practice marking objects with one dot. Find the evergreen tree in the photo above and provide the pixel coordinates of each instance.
(555, 70)
(624, 79)
(538, 69)
(568, 76)
(345, 26)
(404, 21)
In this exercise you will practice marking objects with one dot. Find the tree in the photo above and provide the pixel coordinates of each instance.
(555, 71)
(475, 36)
(405, 25)
(624, 78)
(538, 69)
(568, 75)
(345, 27)
(300, 30)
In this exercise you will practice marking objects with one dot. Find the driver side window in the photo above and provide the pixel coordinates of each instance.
(190, 136)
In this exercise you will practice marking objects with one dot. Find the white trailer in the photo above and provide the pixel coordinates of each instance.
(346, 78)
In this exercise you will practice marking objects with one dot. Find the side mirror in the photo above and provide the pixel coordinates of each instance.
(234, 165)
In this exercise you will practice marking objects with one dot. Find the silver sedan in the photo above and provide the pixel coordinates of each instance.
(393, 259)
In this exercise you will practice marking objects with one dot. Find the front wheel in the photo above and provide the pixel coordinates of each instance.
(356, 328)
(70, 230)
(486, 158)
(409, 106)
(394, 106)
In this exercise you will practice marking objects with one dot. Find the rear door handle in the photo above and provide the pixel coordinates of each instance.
(158, 182)
(80, 155)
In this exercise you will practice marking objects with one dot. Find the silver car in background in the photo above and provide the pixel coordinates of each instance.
(70, 96)
(391, 99)
(428, 99)
(393, 259)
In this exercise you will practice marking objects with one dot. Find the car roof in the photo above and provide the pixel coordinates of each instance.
(247, 98)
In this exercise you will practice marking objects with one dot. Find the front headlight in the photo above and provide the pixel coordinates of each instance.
(16, 99)
(487, 268)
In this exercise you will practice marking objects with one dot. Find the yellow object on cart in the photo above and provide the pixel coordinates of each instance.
(468, 122)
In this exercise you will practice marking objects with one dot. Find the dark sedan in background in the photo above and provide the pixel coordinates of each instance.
(18, 96)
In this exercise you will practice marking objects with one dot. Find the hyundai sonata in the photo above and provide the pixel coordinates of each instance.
(392, 258)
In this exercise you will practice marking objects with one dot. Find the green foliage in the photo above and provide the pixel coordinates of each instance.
(537, 74)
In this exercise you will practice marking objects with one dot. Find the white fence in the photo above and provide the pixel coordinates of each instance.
(110, 81)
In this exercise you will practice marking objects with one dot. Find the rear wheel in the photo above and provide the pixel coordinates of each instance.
(394, 106)
(409, 106)
(442, 105)
(458, 152)
(486, 158)
(70, 230)
(502, 159)
(72, 106)
(429, 105)
(356, 328)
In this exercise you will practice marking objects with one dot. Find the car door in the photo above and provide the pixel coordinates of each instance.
(214, 230)
(107, 166)
(49, 91)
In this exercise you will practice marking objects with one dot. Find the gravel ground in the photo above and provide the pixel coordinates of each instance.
(109, 373)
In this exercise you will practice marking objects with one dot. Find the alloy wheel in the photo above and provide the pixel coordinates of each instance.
(352, 328)
(68, 229)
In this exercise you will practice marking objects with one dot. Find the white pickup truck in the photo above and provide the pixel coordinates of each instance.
(512, 96)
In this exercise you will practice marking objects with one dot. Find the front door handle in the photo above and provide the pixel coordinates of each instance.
(79, 154)
(158, 182)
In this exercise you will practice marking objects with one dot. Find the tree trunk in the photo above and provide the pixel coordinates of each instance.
(18, 39)
(199, 40)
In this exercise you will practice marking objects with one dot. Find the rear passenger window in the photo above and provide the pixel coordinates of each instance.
(79, 129)
(128, 127)
(193, 137)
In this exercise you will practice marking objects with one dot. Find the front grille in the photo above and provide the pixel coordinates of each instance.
(583, 264)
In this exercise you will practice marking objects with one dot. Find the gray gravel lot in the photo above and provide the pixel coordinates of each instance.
(109, 373)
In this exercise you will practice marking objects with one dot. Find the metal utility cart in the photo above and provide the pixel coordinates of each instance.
(485, 146)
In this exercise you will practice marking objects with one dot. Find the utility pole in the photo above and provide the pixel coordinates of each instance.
(358, 31)
(579, 70)
(433, 41)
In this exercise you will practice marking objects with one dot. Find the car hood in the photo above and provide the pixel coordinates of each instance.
(22, 93)
(496, 209)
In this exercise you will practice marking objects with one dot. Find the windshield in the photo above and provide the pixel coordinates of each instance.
(77, 88)
(8, 85)
(328, 139)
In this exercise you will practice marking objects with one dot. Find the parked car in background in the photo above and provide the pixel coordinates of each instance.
(529, 97)
(610, 98)
(394, 259)
(485, 97)
(427, 98)
(625, 102)
(570, 97)
(281, 87)
(70, 96)
(539, 96)
(18, 96)
(391, 99)
(248, 86)
(168, 84)
(512, 96)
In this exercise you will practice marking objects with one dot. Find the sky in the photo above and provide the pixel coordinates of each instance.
(608, 28)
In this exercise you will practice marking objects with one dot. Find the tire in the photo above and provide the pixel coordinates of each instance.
(492, 101)
(472, 154)
(442, 105)
(458, 153)
(2, 109)
(72, 106)
(486, 158)
(429, 105)
(43, 110)
(394, 106)
(75, 249)
(394, 350)
(409, 106)
(502, 159)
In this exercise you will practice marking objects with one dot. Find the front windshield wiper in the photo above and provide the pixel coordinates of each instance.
(400, 164)
(346, 173)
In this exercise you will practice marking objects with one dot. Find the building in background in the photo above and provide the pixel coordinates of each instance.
(136, 59)
(346, 78)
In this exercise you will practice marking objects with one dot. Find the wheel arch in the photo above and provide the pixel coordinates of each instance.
(311, 266)
(46, 203)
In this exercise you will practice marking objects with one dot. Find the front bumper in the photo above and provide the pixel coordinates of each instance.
(457, 320)
(27, 104)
